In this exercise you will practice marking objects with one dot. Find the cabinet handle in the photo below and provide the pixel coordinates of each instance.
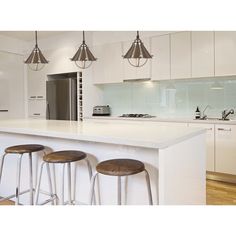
(32, 96)
(36, 114)
(222, 129)
(39, 96)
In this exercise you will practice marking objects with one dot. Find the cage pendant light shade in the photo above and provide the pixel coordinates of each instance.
(83, 58)
(137, 55)
(36, 60)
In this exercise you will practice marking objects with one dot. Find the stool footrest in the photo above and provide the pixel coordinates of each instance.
(13, 195)
(53, 197)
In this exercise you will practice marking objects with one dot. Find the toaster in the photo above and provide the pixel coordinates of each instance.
(101, 111)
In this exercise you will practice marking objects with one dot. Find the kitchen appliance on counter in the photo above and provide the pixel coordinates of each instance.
(137, 116)
(61, 99)
(102, 111)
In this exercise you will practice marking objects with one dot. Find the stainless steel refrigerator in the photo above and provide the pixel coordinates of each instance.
(61, 99)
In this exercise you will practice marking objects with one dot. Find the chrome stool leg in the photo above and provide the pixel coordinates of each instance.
(18, 176)
(75, 184)
(90, 176)
(89, 168)
(119, 190)
(38, 184)
(91, 195)
(69, 183)
(50, 182)
(148, 187)
(63, 185)
(55, 184)
(31, 179)
(53, 196)
(1, 167)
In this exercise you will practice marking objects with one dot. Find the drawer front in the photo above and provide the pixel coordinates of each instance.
(225, 148)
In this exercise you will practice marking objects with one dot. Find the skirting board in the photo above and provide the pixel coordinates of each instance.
(221, 177)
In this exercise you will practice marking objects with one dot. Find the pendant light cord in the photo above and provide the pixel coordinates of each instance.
(36, 39)
(137, 34)
(83, 38)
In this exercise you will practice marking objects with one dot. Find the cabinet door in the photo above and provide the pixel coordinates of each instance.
(210, 139)
(37, 108)
(109, 66)
(160, 47)
(37, 84)
(131, 72)
(225, 150)
(202, 54)
(225, 51)
(181, 55)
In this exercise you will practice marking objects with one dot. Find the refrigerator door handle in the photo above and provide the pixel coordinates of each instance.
(48, 111)
(70, 98)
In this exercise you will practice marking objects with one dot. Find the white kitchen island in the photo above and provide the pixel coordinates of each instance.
(174, 157)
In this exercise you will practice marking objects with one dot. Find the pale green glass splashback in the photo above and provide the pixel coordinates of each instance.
(156, 99)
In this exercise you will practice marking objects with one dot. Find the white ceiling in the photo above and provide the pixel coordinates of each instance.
(29, 35)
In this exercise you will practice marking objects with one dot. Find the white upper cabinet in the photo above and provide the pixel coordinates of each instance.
(37, 84)
(181, 55)
(109, 66)
(225, 51)
(131, 72)
(202, 54)
(160, 48)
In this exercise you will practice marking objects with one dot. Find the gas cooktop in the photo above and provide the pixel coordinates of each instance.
(136, 116)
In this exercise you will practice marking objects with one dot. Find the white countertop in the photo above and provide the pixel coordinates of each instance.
(150, 134)
(160, 119)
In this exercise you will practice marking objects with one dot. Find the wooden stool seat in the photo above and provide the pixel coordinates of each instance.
(25, 148)
(64, 156)
(120, 167)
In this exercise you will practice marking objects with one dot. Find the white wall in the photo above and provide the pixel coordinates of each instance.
(12, 45)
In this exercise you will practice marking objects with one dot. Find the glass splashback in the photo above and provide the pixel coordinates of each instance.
(171, 98)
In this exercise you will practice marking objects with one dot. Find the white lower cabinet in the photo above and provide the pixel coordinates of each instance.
(37, 109)
(225, 149)
(210, 140)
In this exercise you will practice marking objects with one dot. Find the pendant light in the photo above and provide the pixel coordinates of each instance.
(137, 55)
(83, 58)
(36, 60)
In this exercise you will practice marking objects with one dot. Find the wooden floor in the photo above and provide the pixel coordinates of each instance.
(218, 193)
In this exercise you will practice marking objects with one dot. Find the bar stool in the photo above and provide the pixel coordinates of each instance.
(21, 150)
(119, 168)
(65, 158)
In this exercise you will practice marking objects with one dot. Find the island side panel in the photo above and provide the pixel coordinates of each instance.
(134, 187)
(182, 172)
